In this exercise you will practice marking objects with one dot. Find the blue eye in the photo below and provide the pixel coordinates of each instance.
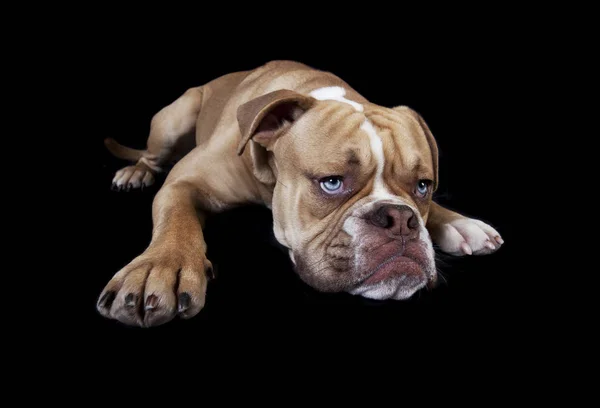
(332, 184)
(423, 187)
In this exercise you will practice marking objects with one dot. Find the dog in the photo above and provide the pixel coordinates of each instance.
(349, 184)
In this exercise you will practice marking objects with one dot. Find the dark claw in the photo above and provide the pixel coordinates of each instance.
(142, 187)
(128, 187)
(107, 299)
(113, 187)
(130, 300)
(151, 302)
(184, 302)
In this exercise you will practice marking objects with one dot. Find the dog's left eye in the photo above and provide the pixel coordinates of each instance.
(331, 184)
(422, 187)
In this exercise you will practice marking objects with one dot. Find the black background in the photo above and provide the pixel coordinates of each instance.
(466, 88)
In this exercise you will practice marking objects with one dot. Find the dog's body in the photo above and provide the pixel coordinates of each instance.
(349, 183)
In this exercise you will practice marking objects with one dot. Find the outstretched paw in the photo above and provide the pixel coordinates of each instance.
(156, 287)
(132, 177)
(467, 236)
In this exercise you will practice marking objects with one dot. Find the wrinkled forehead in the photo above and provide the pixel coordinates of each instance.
(338, 130)
(403, 139)
(328, 126)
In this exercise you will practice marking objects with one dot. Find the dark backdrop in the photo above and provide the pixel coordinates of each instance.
(465, 92)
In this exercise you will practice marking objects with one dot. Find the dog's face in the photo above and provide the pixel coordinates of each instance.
(352, 191)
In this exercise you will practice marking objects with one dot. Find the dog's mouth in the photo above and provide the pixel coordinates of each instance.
(378, 262)
(398, 261)
(395, 265)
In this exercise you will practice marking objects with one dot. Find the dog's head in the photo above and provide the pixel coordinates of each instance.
(352, 188)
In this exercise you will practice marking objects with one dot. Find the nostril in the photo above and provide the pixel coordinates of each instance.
(381, 218)
(389, 221)
(399, 220)
(413, 223)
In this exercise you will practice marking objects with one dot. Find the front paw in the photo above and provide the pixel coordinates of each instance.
(155, 287)
(467, 236)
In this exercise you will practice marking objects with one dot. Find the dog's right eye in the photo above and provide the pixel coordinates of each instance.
(423, 188)
(331, 184)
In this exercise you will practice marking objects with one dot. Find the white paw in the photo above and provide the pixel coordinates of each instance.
(467, 236)
(138, 176)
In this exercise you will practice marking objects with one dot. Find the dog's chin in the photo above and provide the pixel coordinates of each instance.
(396, 288)
(397, 278)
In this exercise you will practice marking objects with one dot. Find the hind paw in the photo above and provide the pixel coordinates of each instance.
(133, 177)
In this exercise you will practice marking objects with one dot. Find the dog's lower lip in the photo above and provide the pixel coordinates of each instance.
(381, 273)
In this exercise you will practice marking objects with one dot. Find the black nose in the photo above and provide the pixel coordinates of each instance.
(397, 219)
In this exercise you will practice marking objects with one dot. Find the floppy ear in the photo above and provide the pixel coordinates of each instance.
(430, 139)
(263, 120)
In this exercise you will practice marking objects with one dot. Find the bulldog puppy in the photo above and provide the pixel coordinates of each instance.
(349, 183)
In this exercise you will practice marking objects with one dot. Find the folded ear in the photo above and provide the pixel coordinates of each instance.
(430, 139)
(265, 118)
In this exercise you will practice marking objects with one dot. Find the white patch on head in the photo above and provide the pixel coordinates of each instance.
(380, 191)
(335, 93)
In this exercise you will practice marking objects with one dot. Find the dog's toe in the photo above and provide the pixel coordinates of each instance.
(191, 290)
(127, 305)
(148, 179)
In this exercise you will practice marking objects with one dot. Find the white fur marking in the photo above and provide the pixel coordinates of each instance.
(335, 93)
(380, 191)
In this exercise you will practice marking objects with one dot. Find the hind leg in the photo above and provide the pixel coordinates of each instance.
(171, 134)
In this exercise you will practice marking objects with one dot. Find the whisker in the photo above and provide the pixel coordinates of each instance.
(322, 269)
(316, 263)
(441, 275)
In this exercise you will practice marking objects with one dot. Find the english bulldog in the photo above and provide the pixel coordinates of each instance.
(349, 183)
